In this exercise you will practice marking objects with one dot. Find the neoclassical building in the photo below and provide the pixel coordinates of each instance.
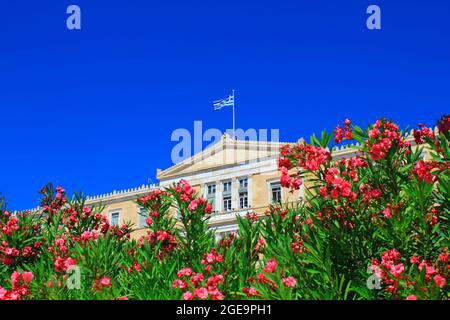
(236, 176)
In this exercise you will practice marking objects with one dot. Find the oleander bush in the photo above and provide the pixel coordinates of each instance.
(374, 225)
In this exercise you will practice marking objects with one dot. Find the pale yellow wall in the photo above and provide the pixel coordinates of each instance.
(128, 213)
(261, 196)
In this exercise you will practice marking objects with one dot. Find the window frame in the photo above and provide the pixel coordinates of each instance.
(141, 216)
(224, 201)
(113, 212)
(275, 185)
(241, 186)
(208, 186)
(243, 197)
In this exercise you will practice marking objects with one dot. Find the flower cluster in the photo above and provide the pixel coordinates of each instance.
(276, 211)
(153, 201)
(270, 278)
(211, 258)
(12, 250)
(347, 132)
(19, 286)
(197, 287)
(297, 245)
(53, 200)
(444, 124)
(165, 240)
(200, 203)
(185, 190)
(424, 133)
(424, 171)
(392, 272)
(336, 186)
(382, 137)
(303, 156)
(102, 283)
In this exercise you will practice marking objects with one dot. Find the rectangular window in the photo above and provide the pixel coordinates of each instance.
(114, 221)
(243, 183)
(142, 216)
(243, 200)
(227, 203)
(211, 189)
(227, 186)
(275, 191)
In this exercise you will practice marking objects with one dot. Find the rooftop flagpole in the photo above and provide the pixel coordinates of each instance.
(234, 119)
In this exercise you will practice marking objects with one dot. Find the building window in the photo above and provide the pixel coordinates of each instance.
(211, 189)
(227, 186)
(243, 183)
(211, 195)
(142, 216)
(243, 200)
(227, 203)
(275, 192)
(114, 219)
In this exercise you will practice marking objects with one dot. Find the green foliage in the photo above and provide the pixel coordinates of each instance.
(374, 224)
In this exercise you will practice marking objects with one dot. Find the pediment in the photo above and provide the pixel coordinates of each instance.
(226, 153)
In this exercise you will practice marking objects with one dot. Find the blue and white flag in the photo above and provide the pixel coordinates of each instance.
(219, 104)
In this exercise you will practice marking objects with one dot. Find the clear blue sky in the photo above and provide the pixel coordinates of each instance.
(94, 110)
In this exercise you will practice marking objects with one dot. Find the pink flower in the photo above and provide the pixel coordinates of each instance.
(423, 171)
(373, 133)
(188, 295)
(208, 208)
(414, 260)
(439, 280)
(27, 276)
(214, 280)
(252, 292)
(210, 257)
(444, 257)
(161, 235)
(15, 278)
(271, 265)
(201, 293)
(179, 284)
(289, 282)
(397, 270)
(197, 278)
(193, 205)
(387, 213)
(411, 297)
(69, 263)
(184, 272)
(3, 293)
(105, 281)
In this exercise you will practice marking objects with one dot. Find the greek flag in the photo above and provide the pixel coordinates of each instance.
(219, 104)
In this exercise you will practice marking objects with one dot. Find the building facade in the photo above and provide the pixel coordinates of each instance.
(236, 176)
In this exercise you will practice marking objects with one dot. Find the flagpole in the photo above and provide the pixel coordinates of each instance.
(234, 119)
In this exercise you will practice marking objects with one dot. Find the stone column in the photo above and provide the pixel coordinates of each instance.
(219, 189)
(235, 194)
(250, 191)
